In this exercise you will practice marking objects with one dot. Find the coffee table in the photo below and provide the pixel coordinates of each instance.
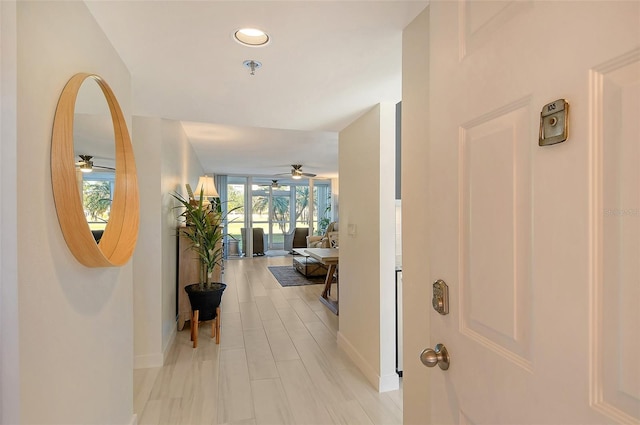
(307, 265)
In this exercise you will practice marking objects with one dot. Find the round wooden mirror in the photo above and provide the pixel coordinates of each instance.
(119, 239)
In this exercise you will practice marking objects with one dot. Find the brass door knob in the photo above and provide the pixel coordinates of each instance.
(436, 356)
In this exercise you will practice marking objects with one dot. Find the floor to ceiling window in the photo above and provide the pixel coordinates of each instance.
(277, 206)
(271, 211)
(236, 198)
(322, 206)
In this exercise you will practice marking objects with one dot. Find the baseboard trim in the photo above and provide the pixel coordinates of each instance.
(380, 383)
(389, 382)
(172, 338)
(157, 359)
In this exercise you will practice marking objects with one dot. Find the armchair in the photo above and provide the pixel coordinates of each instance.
(323, 241)
(259, 241)
(296, 238)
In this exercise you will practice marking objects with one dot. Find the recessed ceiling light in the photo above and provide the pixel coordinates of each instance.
(251, 37)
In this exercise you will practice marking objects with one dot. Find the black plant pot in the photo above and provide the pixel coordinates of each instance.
(205, 298)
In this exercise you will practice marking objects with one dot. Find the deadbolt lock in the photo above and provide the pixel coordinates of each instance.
(440, 299)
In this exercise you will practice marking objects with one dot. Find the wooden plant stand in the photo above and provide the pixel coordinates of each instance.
(215, 327)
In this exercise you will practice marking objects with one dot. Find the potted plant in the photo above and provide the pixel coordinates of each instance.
(204, 228)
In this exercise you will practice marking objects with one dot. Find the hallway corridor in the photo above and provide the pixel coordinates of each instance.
(277, 363)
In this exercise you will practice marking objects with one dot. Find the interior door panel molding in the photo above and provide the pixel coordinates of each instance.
(495, 209)
(614, 97)
(478, 21)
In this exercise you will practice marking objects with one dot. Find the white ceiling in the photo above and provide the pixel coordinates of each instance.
(327, 63)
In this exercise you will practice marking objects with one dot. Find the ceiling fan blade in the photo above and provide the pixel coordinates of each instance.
(296, 172)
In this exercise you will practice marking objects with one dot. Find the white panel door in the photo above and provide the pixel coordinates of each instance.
(540, 246)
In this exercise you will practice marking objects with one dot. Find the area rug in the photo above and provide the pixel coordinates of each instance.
(288, 276)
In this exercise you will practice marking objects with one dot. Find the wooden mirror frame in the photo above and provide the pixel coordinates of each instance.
(119, 239)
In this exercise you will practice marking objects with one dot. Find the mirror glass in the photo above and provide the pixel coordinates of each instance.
(94, 155)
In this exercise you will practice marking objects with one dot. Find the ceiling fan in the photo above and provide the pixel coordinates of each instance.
(297, 173)
(86, 164)
(274, 184)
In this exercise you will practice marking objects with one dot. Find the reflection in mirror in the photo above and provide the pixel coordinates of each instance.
(94, 155)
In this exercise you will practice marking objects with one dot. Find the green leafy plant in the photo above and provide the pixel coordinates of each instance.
(204, 228)
(324, 221)
(97, 199)
(322, 225)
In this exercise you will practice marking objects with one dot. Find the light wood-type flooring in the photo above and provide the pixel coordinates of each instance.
(277, 363)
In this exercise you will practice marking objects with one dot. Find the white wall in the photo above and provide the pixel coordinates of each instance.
(147, 290)
(75, 323)
(179, 166)
(165, 161)
(416, 292)
(9, 356)
(367, 258)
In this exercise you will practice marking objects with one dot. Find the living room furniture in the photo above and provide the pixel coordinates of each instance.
(259, 240)
(328, 257)
(322, 241)
(188, 273)
(333, 239)
(296, 238)
(307, 265)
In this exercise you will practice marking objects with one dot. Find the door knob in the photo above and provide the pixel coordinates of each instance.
(437, 356)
